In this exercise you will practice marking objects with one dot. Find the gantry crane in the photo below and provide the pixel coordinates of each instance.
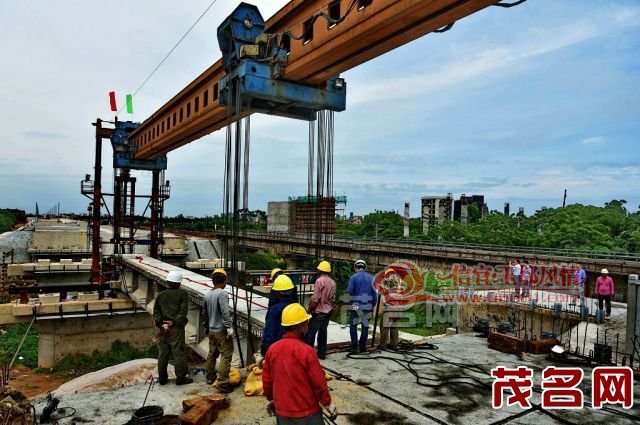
(288, 66)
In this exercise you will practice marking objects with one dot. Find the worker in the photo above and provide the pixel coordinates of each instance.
(275, 273)
(604, 290)
(292, 379)
(516, 270)
(170, 316)
(272, 295)
(392, 310)
(218, 327)
(273, 330)
(323, 301)
(579, 281)
(363, 298)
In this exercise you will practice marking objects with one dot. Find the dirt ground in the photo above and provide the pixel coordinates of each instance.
(32, 384)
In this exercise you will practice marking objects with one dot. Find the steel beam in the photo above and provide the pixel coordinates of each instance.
(365, 33)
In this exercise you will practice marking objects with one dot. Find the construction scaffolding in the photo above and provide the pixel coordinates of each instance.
(313, 214)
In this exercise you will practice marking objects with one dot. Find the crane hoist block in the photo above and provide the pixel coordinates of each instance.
(255, 63)
(260, 92)
(124, 152)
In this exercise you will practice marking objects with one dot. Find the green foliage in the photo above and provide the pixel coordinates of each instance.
(120, 352)
(435, 285)
(7, 220)
(382, 224)
(419, 312)
(5, 358)
(473, 213)
(10, 340)
(249, 220)
(262, 260)
(575, 227)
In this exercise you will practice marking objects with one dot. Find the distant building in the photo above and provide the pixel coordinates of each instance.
(436, 210)
(506, 209)
(355, 219)
(279, 217)
(461, 207)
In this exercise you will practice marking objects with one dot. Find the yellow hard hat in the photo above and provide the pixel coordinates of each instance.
(294, 314)
(282, 283)
(219, 271)
(274, 271)
(324, 266)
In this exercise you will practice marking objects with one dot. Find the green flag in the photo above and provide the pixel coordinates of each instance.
(129, 104)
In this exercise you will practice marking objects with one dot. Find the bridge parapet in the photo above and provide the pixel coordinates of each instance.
(140, 280)
(383, 252)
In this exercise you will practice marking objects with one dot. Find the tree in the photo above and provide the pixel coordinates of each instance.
(618, 204)
(474, 213)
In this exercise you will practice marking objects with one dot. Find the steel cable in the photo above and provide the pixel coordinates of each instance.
(170, 52)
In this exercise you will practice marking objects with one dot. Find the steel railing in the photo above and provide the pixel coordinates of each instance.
(366, 242)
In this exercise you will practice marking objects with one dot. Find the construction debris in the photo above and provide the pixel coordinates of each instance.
(506, 343)
(542, 346)
(15, 408)
(203, 410)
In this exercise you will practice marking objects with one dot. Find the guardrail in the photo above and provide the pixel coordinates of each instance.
(413, 243)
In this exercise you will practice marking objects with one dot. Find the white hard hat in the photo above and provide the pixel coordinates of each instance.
(604, 271)
(174, 276)
(360, 263)
(558, 349)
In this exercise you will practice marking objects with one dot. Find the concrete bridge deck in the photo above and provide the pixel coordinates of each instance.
(141, 271)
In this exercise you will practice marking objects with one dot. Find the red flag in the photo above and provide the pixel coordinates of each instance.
(112, 101)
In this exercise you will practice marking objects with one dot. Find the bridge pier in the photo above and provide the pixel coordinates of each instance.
(60, 337)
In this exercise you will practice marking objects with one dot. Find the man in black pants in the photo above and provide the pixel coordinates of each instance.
(170, 316)
(322, 302)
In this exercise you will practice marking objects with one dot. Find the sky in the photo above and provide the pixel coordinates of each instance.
(515, 104)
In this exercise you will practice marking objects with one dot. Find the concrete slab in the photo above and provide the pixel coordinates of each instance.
(452, 384)
(455, 389)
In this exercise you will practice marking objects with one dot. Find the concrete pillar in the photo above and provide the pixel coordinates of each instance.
(59, 337)
(406, 220)
(633, 314)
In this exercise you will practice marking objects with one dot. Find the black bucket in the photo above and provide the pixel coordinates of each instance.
(147, 415)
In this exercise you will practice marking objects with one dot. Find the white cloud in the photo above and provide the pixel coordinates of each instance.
(596, 140)
(481, 64)
(628, 15)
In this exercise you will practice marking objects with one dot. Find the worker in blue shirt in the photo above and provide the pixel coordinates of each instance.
(273, 330)
(363, 297)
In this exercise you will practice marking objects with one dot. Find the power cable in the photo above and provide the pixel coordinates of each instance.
(507, 5)
(342, 377)
(445, 28)
(426, 357)
(22, 341)
(171, 51)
